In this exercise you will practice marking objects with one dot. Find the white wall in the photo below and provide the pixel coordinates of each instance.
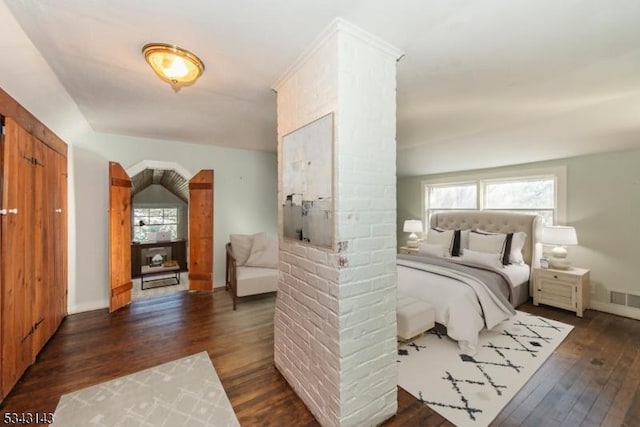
(603, 203)
(244, 198)
(245, 181)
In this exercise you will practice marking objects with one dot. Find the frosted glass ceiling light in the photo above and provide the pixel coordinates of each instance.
(174, 65)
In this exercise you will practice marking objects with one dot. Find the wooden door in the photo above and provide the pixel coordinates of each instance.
(42, 225)
(16, 254)
(60, 239)
(119, 237)
(201, 231)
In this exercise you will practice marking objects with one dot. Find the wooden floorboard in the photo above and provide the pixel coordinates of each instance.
(592, 379)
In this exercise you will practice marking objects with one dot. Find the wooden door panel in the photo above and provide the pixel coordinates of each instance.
(119, 237)
(41, 223)
(201, 231)
(17, 280)
(60, 239)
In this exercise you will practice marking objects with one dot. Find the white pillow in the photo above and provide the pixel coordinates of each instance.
(489, 243)
(460, 241)
(431, 249)
(241, 247)
(464, 240)
(517, 243)
(264, 252)
(444, 238)
(482, 258)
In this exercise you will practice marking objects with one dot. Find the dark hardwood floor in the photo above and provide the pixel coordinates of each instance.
(592, 379)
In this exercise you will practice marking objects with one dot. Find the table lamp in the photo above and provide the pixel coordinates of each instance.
(560, 236)
(412, 226)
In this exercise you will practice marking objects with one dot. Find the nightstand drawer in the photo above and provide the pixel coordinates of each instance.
(555, 276)
(557, 292)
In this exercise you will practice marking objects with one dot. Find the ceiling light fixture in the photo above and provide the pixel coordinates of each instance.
(174, 65)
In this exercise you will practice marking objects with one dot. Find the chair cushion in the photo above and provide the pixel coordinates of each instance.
(256, 280)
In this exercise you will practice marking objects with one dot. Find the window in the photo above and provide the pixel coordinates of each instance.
(533, 195)
(453, 196)
(147, 220)
(541, 192)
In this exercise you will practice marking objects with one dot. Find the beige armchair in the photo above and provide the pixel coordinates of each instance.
(252, 265)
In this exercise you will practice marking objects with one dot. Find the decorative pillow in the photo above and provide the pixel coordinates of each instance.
(460, 241)
(517, 244)
(489, 243)
(264, 252)
(464, 240)
(441, 237)
(431, 249)
(241, 247)
(513, 245)
(455, 245)
(482, 258)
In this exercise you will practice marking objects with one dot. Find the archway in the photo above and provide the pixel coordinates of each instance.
(199, 192)
(160, 217)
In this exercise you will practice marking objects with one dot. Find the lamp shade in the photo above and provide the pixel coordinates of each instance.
(412, 226)
(559, 235)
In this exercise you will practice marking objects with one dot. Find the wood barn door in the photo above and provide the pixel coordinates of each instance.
(200, 234)
(33, 285)
(16, 276)
(120, 282)
(42, 223)
(60, 237)
(201, 231)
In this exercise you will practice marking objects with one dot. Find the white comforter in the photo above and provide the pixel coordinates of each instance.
(459, 300)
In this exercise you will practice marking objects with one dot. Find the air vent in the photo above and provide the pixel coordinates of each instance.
(625, 298)
(633, 300)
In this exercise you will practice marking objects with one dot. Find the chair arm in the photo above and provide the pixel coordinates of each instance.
(231, 279)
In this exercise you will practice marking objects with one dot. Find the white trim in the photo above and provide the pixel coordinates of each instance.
(368, 38)
(336, 26)
(619, 310)
(158, 164)
(88, 306)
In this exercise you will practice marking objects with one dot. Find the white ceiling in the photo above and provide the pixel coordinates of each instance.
(483, 83)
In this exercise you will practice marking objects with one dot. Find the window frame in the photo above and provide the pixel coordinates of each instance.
(557, 173)
(149, 206)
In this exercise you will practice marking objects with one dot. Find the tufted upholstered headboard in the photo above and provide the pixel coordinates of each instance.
(498, 222)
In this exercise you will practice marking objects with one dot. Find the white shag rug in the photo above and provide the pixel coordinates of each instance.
(472, 390)
(184, 392)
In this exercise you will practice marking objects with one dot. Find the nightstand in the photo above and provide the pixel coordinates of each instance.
(407, 250)
(568, 289)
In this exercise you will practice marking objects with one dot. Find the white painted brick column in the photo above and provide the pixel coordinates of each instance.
(335, 324)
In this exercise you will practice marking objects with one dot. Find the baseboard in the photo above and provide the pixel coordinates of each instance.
(98, 305)
(616, 309)
(88, 306)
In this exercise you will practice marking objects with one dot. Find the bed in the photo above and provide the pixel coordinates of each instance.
(472, 289)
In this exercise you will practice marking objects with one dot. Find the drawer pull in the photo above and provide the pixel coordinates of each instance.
(555, 277)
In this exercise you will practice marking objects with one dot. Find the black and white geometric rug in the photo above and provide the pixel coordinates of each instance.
(472, 390)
